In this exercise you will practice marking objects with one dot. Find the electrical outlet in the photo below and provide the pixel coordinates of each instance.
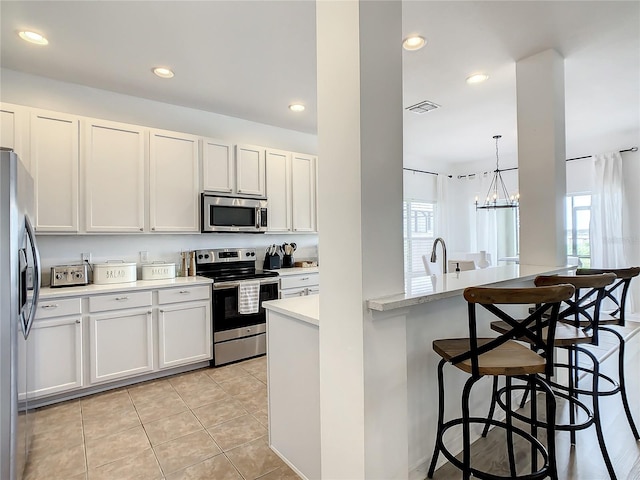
(86, 257)
(144, 256)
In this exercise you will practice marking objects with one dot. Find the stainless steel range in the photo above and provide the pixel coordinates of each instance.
(236, 335)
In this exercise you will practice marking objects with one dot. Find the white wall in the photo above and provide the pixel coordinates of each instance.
(40, 92)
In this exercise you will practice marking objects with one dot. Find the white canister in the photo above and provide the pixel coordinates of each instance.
(114, 272)
(158, 271)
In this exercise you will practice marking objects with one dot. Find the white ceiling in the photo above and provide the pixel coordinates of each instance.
(251, 59)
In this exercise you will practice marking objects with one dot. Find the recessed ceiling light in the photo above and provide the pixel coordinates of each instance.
(163, 72)
(33, 37)
(477, 78)
(413, 42)
(296, 107)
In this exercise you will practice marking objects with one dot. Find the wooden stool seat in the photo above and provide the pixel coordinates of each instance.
(510, 358)
(565, 334)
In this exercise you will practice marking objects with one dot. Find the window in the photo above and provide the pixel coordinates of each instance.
(418, 224)
(578, 218)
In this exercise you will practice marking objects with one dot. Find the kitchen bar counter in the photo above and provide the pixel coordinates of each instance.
(400, 371)
(436, 287)
(61, 292)
(305, 308)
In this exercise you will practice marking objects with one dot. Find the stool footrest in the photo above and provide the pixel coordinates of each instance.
(542, 472)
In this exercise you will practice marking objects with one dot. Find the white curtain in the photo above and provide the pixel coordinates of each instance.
(605, 229)
(443, 207)
(486, 220)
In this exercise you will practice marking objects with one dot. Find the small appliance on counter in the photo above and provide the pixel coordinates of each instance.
(69, 275)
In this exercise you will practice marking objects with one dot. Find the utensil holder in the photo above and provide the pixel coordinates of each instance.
(271, 262)
(287, 261)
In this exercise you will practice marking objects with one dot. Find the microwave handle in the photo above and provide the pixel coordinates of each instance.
(258, 217)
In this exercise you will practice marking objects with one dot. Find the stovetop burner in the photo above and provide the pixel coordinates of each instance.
(228, 264)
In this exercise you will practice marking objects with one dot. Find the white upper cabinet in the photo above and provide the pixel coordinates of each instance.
(250, 167)
(114, 171)
(54, 167)
(303, 192)
(278, 172)
(173, 182)
(14, 123)
(217, 166)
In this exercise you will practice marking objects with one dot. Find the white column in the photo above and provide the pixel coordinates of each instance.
(541, 158)
(360, 244)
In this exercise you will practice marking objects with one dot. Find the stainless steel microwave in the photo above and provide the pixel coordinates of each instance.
(233, 214)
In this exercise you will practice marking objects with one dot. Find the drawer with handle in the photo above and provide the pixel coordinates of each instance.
(184, 294)
(302, 280)
(119, 300)
(59, 308)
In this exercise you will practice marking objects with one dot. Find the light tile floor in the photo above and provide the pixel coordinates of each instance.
(207, 424)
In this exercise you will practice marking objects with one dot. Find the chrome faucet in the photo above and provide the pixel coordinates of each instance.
(434, 258)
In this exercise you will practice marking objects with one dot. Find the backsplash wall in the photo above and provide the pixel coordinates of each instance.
(67, 249)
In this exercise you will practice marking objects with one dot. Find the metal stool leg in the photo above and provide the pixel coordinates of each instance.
(436, 448)
(621, 382)
(596, 415)
(509, 428)
(492, 407)
(466, 431)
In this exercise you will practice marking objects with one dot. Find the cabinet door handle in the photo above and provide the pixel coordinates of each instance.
(161, 311)
(77, 321)
(120, 299)
(304, 278)
(51, 305)
(184, 291)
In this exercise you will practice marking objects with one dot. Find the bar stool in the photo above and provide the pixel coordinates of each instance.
(502, 356)
(577, 325)
(617, 293)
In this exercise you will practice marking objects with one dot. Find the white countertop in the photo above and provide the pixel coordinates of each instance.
(429, 288)
(305, 308)
(283, 272)
(91, 289)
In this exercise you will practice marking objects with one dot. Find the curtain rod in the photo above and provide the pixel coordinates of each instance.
(632, 149)
(424, 171)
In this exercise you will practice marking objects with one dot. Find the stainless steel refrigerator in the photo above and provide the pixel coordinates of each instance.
(19, 290)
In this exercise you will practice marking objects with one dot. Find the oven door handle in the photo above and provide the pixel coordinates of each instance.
(227, 285)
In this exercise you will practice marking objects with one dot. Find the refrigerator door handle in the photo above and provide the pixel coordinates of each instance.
(28, 322)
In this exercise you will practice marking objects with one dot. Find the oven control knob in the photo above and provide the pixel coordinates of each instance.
(253, 254)
(200, 257)
(206, 255)
(58, 276)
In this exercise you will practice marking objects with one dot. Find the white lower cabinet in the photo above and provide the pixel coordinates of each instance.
(184, 333)
(120, 340)
(54, 353)
(184, 326)
(88, 340)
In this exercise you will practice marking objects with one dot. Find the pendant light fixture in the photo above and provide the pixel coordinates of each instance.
(498, 195)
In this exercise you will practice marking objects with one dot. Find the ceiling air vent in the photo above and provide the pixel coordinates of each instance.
(423, 107)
